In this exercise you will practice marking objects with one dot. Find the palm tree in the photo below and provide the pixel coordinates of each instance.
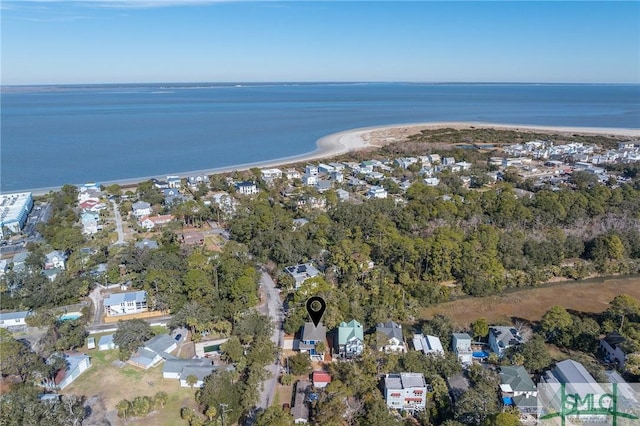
(211, 412)
(161, 398)
(191, 380)
(123, 407)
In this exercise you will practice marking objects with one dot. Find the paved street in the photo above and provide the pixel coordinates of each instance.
(272, 307)
(116, 213)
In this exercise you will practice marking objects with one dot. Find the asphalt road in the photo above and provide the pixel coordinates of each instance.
(116, 213)
(273, 308)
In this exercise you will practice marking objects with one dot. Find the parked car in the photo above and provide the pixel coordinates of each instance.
(178, 337)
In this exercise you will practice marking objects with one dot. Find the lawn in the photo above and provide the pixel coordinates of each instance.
(113, 384)
(530, 304)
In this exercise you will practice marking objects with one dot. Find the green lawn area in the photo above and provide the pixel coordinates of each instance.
(114, 383)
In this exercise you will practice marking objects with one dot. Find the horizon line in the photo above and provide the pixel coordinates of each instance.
(258, 82)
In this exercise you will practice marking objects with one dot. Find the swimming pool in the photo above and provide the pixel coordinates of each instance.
(481, 354)
(70, 316)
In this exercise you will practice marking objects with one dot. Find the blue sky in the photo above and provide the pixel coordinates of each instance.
(47, 42)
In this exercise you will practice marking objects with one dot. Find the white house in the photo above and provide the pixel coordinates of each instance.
(389, 337)
(405, 391)
(174, 181)
(428, 344)
(246, 188)
(311, 170)
(77, 363)
(309, 179)
(350, 339)
(461, 346)
(377, 192)
(501, 338)
(13, 319)
(611, 348)
(150, 222)
(155, 350)
(270, 174)
(54, 259)
(293, 174)
(125, 303)
(106, 343)
(141, 208)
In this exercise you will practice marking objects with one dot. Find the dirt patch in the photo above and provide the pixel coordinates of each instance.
(531, 304)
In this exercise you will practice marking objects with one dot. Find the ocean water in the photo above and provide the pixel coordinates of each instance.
(52, 135)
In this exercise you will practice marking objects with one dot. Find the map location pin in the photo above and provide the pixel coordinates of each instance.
(315, 307)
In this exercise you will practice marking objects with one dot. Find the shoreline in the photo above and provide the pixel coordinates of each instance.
(363, 138)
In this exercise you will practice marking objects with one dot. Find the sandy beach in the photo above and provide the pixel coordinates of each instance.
(370, 137)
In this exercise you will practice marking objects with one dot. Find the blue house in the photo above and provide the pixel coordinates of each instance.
(310, 337)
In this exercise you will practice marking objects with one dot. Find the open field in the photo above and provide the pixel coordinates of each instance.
(530, 304)
(113, 384)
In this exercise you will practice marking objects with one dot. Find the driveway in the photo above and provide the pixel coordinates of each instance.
(116, 213)
(273, 308)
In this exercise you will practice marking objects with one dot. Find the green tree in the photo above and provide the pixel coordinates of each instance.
(232, 350)
(536, 354)
(623, 306)
(480, 328)
(299, 364)
(274, 416)
(160, 399)
(123, 407)
(555, 320)
(191, 380)
(130, 336)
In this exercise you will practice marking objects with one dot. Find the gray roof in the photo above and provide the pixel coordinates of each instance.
(140, 205)
(506, 336)
(160, 343)
(300, 409)
(177, 365)
(144, 357)
(391, 329)
(517, 378)
(147, 243)
(20, 257)
(200, 371)
(301, 272)
(105, 340)
(404, 381)
(575, 376)
(462, 336)
(13, 315)
(119, 298)
(311, 332)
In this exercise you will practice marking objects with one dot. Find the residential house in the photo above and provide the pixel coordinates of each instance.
(342, 195)
(106, 343)
(293, 174)
(432, 181)
(271, 174)
(13, 319)
(434, 158)
(405, 391)
(309, 180)
(572, 378)
(54, 259)
(125, 303)
(311, 170)
(19, 260)
(90, 223)
(338, 167)
(92, 205)
(323, 185)
(141, 208)
(461, 346)
(325, 168)
(448, 161)
(611, 347)
(160, 184)
(172, 196)
(517, 387)
(150, 222)
(350, 339)
(301, 273)
(192, 238)
(405, 162)
(377, 192)
(337, 176)
(4, 266)
(77, 363)
(501, 338)
(174, 181)
(389, 337)
(52, 274)
(429, 345)
(246, 188)
(310, 336)
(181, 369)
(154, 351)
(320, 379)
(146, 244)
(300, 409)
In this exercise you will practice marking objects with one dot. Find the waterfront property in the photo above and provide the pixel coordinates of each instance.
(14, 210)
(611, 347)
(461, 346)
(405, 391)
(501, 338)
